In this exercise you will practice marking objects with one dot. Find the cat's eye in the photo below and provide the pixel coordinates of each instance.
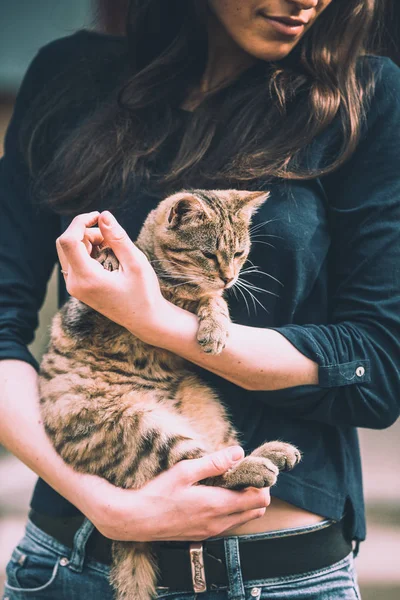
(239, 254)
(209, 255)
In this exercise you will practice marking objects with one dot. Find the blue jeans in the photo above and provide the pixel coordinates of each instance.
(43, 569)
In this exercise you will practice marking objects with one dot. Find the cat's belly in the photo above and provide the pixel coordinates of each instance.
(279, 515)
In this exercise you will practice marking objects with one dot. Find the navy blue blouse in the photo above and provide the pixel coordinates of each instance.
(330, 251)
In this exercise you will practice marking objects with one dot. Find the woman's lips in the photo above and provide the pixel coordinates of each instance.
(285, 25)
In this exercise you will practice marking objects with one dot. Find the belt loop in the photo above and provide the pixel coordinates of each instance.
(232, 556)
(80, 541)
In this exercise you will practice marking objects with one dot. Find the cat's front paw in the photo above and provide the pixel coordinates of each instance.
(252, 471)
(212, 336)
(284, 456)
(106, 257)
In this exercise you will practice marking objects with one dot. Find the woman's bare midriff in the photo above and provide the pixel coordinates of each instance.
(279, 515)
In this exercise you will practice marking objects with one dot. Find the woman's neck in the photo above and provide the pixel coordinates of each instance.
(225, 62)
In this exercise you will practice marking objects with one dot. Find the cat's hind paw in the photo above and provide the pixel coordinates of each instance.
(284, 456)
(252, 471)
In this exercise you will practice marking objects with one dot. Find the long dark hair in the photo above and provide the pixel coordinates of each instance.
(256, 128)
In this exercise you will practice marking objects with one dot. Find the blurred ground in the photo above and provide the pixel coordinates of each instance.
(378, 563)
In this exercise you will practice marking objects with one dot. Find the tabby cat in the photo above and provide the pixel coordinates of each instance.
(103, 389)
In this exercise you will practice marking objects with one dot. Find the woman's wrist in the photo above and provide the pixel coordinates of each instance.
(167, 327)
(106, 506)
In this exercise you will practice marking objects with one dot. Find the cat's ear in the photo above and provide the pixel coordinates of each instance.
(249, 202)
(187, 209)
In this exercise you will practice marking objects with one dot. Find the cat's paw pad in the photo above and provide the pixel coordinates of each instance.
(252, 471)
(211, 337)
(284, 456)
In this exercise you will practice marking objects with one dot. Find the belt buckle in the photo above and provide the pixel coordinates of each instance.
(197, 566)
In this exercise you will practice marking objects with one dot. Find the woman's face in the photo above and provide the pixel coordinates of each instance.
(267, 29)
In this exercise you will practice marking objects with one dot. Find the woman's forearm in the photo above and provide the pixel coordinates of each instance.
(253, 358)
(23, 434)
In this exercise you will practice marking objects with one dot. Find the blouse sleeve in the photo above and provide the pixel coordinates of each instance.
(358, 352)
(27, 233)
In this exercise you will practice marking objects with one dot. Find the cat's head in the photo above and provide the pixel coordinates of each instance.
(202, 236)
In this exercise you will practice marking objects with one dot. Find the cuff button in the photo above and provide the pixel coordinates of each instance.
(360, 371)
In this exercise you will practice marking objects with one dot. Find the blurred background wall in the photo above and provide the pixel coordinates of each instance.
(25, 26)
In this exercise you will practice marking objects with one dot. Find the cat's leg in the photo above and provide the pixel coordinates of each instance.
(214, 322)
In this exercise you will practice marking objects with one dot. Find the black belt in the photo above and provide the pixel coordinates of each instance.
(179, 562)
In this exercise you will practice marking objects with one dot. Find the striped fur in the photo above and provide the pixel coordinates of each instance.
(118, 408)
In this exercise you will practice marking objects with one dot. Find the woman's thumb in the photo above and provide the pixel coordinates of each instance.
(116, 238)
(213, 464)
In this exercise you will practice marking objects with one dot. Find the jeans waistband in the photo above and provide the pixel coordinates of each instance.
(229, 561)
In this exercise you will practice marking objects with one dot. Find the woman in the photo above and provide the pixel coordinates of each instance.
(273, 94)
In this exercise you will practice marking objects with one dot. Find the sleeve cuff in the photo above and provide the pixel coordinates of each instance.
(331, 373)
(14, 351)
(357, 371)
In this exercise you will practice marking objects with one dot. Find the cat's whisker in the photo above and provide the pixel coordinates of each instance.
(254, 298)
(174, 273)
(259, 272)
(187, 282)
(265, 243)
(258, 301)
(251, 263)
(244, 297)
(242, 289)
(252, 269)
(255, 288)
(259, 225)
(233, 290)
(173, 278)
(250, 272)
(254, 240)
(270, 235)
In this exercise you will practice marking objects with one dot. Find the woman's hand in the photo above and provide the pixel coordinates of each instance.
(130, 296)
(173, 506)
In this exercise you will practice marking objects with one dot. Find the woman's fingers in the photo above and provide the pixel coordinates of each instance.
(251, 499)
(210, 465)
(116, 237)
(94, 236)
(236, 502)
(71, 245)
(62, 258)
